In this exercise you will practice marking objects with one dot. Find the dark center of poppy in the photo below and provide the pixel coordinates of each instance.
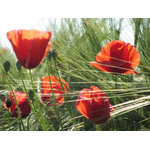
(8, 103)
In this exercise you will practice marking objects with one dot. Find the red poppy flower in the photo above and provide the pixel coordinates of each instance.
(94, 105)
(30, 46)
(23, 104)
(46, 94)
(117, 57)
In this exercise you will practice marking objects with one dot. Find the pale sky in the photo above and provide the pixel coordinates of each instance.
(27, 14)
(40, 24)
(19, 23)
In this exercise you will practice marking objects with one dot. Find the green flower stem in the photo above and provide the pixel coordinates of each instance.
(116, 84)
(20, 73)
(19, 119)
(8, 121)
(54, 98)
(98, 128)
(72, 120)
(28, 121)
(36, 100)
(60, 79)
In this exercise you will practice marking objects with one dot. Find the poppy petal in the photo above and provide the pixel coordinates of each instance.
(57, 89)
(29, 46)
(13, 37)
(37, 49)
(47, 50)
(97, 94)
(93, 104)
(100, 112)
(83, 104)
(117, 57)
(99, 66)
(23, 104)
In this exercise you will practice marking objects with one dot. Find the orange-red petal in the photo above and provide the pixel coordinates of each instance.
(93, 104)
(83, 104)
(29, 46)
(47, 50)
(117, 57)
(57, 89)
(23, 104)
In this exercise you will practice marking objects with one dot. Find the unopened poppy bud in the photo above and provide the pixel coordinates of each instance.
(6, 66)
(31, 95)
(19, 67)
(49, 55)
(52, 54)
(8, 103)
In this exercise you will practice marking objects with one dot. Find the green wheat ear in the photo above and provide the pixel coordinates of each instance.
(144, 66)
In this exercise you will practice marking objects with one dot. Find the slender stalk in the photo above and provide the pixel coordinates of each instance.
(60, 79)
(54, 98)
(98, 128)
(36, 100)
(20, 73)
(72, 120)
(116, 79)
(28, 122)
(8, 121)
(19, 119)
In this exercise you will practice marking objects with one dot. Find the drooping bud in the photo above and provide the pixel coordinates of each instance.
(19, 67)
(6, 66)
(8, 103)
(49, 56)
(31, 95)
(52, 54)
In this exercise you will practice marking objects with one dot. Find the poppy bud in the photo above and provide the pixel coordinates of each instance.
(19, 67)
(52, 54)
(8, 103)
(6, 66)
(49, 55)
(31, 94)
